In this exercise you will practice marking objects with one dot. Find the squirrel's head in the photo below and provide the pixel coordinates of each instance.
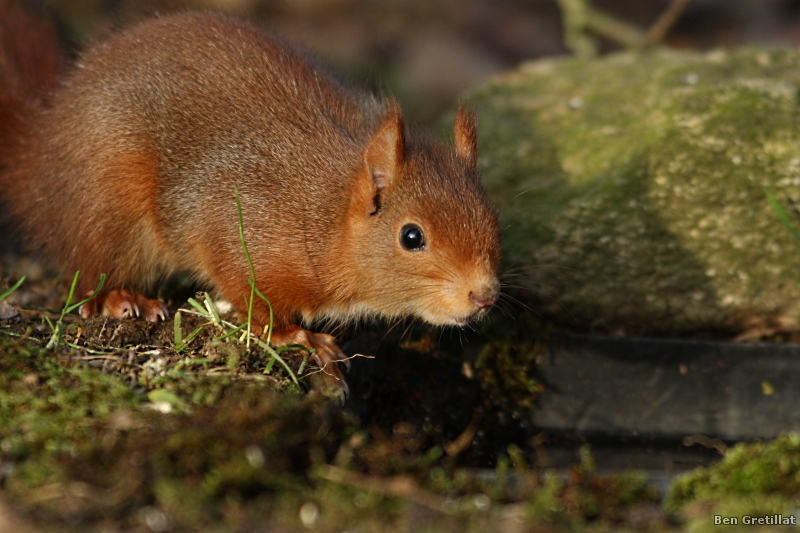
(429, 239)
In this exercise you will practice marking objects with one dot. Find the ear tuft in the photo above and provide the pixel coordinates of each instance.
(383, 157)
(466, 143)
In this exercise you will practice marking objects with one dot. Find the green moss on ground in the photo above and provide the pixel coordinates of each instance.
(85, 448)
(756, 479)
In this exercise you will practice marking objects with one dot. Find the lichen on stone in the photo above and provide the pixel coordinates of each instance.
(631, 187)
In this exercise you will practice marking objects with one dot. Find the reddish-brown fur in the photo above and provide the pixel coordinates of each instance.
(129, 169)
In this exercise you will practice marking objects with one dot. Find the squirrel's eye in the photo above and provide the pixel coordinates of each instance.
(411, 237)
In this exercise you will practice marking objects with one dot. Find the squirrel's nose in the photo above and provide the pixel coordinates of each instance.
(486, 297)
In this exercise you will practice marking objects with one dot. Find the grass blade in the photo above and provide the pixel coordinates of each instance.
(212, 308)
(199, 308)
(252, 280)
(177, 333)
(70, 308)
(781, 212)
(253, 292)
(11, 290)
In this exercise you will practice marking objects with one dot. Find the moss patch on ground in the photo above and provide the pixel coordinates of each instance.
(757, 479)
(141, 438)
(85, 448)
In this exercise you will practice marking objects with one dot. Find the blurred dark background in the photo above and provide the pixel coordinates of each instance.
(427, 52)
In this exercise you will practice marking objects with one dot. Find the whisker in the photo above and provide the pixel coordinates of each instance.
(441, 334)
(527, 191)
(406, 332)
(507, 297)
(462, 337)
(396, 322)
(545, 265)
(503, 309)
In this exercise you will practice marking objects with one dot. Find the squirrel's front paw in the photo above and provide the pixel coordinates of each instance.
(122, 303)
(327, 354)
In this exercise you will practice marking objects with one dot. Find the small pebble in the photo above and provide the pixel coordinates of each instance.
(8, 311)
(309, 514)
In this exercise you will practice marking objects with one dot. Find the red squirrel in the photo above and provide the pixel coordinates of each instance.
(126, 165)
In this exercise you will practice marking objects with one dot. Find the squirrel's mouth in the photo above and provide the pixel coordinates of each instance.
(450, 320)
(441, 315)
(464, 320)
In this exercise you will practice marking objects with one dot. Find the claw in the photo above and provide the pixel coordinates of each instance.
(119, 304)
(327, 354)
(87, 310)
(122, 303)
(153, 310)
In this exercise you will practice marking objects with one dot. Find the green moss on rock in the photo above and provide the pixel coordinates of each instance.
(631, 188)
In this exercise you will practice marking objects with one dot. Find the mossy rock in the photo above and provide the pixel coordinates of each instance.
(632, 188)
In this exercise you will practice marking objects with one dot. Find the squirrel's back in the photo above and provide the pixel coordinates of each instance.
(159, 123)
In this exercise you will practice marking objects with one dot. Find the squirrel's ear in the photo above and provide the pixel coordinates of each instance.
(384, 154)
(466, 143)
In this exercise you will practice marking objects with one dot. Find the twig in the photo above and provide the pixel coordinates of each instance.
(321, 369)
(574, 13)
(398, 486)
(580, 17)
(608, 26)
(665, 22)
(467, 436)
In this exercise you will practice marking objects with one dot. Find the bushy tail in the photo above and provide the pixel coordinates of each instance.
(31, 59)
